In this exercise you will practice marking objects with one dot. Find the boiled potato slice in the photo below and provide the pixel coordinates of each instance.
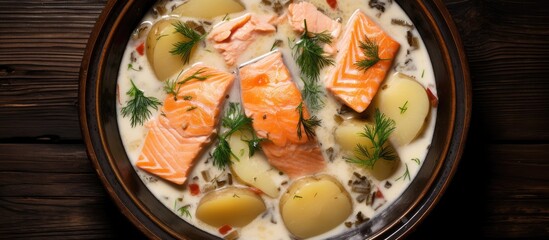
(160, 42)
(404, 100)
(348, 136)
(208, 9)
(255, 170)
(232, 206)
(314, 205)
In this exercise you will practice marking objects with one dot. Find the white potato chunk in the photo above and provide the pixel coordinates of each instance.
(255, 170)
(160, 42)
(230, 206)
(208, 9)
(314, 205)
(348, 136)
(404, 100)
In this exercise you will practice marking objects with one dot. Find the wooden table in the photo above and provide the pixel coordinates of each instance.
(49, 190)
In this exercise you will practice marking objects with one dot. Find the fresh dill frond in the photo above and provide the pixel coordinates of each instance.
(254, 143)
(378, 134)
(370, 49)
(309, 55)
(313, 94)
(138, 106)
(185, 48)
(307, 124)
(234, 120)
(172, 86)
(222, 153)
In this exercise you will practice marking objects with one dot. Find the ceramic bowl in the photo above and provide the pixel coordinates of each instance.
(98, 77)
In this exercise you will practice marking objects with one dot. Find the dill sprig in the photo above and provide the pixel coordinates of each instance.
(307, 124)
(378, 135)
(312, 93)
(234, 120)
(138, 106)
(172, 86)
(309, 55)
(185, 48)
(370, 49)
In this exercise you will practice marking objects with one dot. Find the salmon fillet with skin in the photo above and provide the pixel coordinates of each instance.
(353, 86)
(232, 37)
(271, 98)
(186, 124)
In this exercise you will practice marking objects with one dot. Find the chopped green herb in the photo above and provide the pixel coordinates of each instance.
(131, 67)
(297, 196)
(184, 211)
(403, 108)
(235, 196)
(307, 124)
(138, 106)
(276, 43)
(416, 160)
(405, 175)
(422, 73)
(187, 97)
(191, 108)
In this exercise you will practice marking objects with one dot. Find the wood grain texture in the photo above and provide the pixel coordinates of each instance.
(506, 45)
(41, 46)
(48, 188)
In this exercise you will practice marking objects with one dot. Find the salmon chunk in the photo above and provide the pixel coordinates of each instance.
(232, 37)
(186, 124)
(271, 98)
(353, 86)
(317, 22)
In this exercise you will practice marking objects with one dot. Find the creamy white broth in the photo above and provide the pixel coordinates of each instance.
(270, 225)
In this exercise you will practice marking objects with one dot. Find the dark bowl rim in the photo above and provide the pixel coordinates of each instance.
(429, 196)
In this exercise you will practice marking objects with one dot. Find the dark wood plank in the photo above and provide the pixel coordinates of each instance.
(41, 46)
(63, 218)
(505, 42)
(53, 170)
(499, 191)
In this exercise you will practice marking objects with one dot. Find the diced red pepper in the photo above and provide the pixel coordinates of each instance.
(141, 49)
(225, 229)
(432, 98)
(332, 3)
(194, 188)
(379, 194)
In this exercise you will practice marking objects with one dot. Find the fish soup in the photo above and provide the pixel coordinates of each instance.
(276, 119)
